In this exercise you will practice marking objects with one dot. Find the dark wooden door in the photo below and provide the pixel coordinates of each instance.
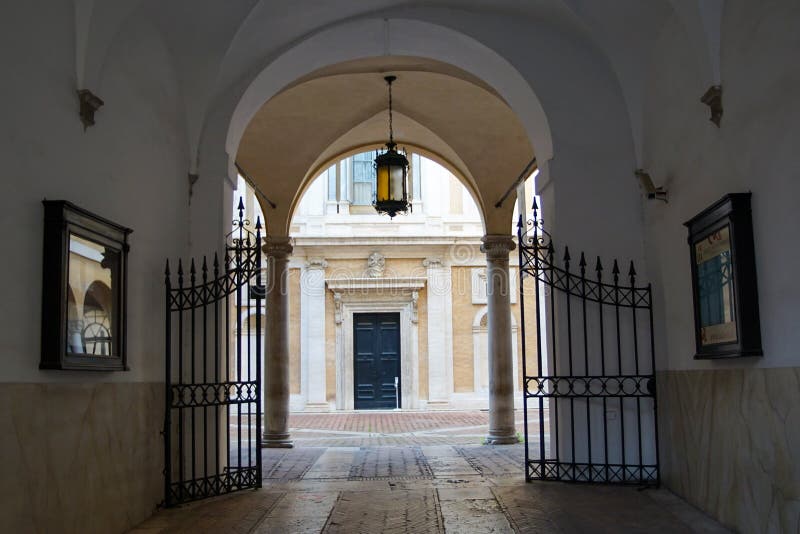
(376, 343)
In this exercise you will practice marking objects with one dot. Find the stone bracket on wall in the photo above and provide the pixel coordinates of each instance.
(713, 99)
(89, 104)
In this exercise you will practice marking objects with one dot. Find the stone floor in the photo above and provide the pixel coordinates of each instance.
(418, 485)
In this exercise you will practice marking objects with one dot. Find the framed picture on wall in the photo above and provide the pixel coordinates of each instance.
(84, 290)
(725, 294)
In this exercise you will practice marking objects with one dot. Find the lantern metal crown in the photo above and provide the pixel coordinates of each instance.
(391, 171)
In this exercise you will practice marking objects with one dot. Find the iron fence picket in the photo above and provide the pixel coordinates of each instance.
(202, 395)
(574, 454)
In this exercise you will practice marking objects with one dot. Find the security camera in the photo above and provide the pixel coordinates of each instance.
(653, 192)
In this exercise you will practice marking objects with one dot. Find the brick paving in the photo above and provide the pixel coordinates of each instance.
(392, 428)
(387, 422)
(279, 465)
(389, 462)
(494, 461)
(378, 428)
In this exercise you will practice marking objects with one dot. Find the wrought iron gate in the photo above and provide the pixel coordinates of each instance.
(212, 424)
(593, 392)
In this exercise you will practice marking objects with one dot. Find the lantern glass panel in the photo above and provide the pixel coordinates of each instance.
(397, 181)
(383, 183)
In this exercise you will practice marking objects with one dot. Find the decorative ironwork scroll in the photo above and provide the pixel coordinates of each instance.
(212, 424)
(592, 397)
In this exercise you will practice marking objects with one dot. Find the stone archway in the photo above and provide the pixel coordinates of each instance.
(498, 86)
(379, 37)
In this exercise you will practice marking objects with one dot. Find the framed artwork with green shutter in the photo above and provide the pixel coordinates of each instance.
(724, 288)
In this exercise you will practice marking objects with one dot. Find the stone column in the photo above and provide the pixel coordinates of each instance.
(276, 346)
(440, 333)
(501, 366)
(312, 334)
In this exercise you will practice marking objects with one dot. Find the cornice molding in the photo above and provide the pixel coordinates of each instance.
(345, 285)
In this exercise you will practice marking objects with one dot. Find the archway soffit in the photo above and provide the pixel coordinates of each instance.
(408, 38)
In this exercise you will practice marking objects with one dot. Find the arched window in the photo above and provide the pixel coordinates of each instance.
(97, 311)
(360, 169)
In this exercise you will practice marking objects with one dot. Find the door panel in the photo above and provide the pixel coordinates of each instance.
(376, 360)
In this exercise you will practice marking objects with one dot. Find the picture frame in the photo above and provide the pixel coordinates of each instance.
(724, 285)
(84, 290)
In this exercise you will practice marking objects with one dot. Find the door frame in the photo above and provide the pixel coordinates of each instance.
(404, 302)
(394, 315)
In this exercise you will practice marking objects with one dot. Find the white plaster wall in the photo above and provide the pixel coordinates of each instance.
(593, 154)
(592, 148)
(754, 150)
(131, 168)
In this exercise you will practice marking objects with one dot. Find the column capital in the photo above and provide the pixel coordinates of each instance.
(278, 247)
(497, 246)
(316, 263)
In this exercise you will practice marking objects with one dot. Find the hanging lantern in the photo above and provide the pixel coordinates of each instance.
(391, 170)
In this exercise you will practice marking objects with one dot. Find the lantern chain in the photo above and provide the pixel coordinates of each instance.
(389, 80)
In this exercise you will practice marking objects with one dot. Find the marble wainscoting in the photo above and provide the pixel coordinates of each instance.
(80, 457)
(731, 444)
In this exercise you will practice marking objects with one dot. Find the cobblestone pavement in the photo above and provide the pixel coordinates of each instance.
(422, 489)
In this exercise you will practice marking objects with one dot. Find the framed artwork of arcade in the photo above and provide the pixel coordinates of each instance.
(84, 290)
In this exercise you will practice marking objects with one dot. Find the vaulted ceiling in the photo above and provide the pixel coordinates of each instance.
(438, 108)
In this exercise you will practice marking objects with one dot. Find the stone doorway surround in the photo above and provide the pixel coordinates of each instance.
(376, 295)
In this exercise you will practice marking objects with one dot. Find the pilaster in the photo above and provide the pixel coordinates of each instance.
(440, 333)
(312, 334)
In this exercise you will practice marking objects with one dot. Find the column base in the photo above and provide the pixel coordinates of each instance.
(276, 441)
(501, 439)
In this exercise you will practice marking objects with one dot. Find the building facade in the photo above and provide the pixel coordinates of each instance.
(421, 274)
